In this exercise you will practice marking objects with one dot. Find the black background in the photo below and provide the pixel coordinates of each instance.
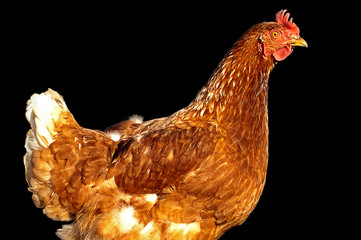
(112, 61)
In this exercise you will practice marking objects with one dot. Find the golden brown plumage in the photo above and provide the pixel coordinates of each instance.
(192, 175)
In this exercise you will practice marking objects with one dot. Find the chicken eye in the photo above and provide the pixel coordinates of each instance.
(275, 34)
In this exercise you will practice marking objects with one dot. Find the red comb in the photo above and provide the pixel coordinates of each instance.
(282, 18)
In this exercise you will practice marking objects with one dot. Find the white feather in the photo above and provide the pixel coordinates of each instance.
(114, 135)
(42, 111)
(136, 119)
(126, 219)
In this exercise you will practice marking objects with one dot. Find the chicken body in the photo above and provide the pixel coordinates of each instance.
(192, 175)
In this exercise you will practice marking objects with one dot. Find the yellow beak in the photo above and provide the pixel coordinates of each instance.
(299, 43)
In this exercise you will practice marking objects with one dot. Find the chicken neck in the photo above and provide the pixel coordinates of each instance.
(235, 98)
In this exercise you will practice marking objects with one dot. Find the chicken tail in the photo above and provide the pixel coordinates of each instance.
(46, 113)
(64, 162)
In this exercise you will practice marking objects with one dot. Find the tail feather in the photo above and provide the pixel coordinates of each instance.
(45, 112)
(63, 160)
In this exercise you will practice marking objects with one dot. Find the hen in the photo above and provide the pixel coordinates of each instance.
(192, 175)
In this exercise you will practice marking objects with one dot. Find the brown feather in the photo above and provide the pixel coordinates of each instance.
(192, 175)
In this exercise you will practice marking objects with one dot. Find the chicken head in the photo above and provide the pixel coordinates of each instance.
(281, 37)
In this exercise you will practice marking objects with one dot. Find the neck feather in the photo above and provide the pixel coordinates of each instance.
(238, 89)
